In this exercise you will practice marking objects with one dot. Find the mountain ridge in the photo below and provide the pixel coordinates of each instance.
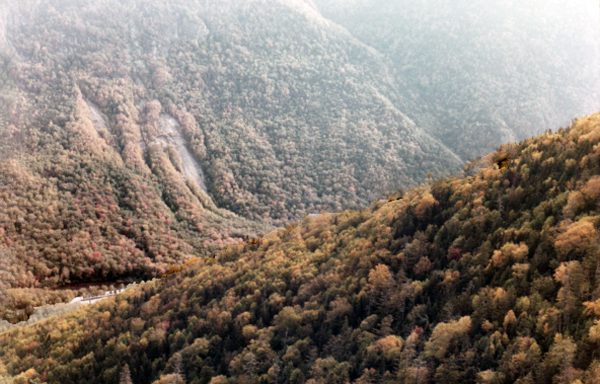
(482, 279)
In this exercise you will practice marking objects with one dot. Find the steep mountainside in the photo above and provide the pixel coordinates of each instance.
(492, 278)
(484, 72)
(135, 134)
(283, 111)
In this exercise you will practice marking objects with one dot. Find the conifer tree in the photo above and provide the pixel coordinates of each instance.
(177, 377)
(274, 371)
(250, 366)
(385, 327)
(125, 376)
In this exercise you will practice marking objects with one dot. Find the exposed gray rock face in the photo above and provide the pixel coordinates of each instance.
(96, 116)
(170, 135)
(192, 27)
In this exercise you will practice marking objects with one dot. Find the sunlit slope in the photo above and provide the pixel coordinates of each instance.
(482, 73)
(490, 278)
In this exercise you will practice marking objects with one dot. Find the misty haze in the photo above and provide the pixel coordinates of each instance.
(299, 191)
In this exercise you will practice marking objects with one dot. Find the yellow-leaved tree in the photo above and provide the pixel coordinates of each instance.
(558, 362)
(508, 253)
(426, 202)
(576, 237)
(380, 276)
(574, 285)
(444, 334)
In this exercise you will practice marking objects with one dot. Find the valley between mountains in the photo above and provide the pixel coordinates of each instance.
(482, 279)
(148, 141)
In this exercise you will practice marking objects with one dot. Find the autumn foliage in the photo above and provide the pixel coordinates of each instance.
(494, 283)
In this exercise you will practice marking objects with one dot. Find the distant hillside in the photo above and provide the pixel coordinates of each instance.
(483, 72)
(283, 111)
(136, 134)
(491, 278)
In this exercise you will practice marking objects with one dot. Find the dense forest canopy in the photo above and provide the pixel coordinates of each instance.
(286, 112)
(139, 135)
(491, 278)
(136, 134)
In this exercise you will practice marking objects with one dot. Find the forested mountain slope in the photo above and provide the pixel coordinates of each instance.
(484, 72)
(491, 278)
(284, 111)
(131, 130)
